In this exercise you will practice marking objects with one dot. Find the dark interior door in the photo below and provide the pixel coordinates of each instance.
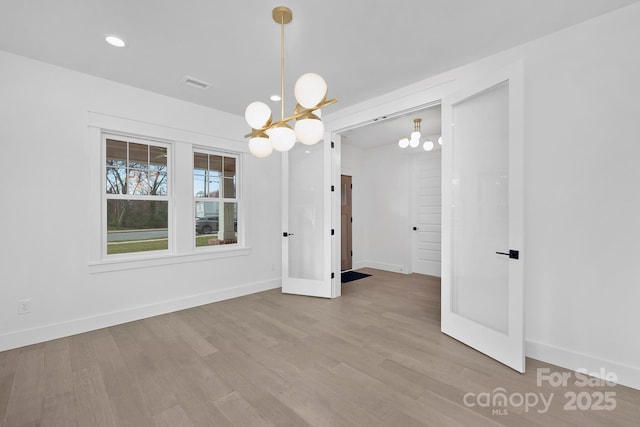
(346, 221)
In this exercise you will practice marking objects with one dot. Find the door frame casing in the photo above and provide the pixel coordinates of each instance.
(414, 98)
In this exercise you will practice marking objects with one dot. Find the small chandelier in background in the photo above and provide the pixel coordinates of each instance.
(311, 93)
(415, 138)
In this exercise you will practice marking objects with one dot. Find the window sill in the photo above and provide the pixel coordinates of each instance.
(161, 260)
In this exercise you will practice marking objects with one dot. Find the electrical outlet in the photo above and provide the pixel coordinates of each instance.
(24, 306)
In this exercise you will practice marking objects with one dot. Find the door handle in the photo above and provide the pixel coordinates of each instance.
(415, 228)
(285, 234)
(513, 254)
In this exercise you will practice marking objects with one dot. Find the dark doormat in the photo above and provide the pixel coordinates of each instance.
(350, 276)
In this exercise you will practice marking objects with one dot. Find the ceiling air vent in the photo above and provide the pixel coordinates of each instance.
(191, 81)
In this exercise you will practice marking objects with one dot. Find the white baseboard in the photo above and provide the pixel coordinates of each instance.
(431, 268)
(358, 265)
(627, 375)
(384, 266)
(77, 326)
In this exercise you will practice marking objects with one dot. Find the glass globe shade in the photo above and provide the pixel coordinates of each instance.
(310, 89)
(282, 137)
(309, 131)
(428, 145)
(403, 143)
(260, 147)
(414, 142)
(440, 140)
(415, 135)
(257, 114)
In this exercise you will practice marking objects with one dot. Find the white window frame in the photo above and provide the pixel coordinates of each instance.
(237, 200)
(164, 198)
(181, 225)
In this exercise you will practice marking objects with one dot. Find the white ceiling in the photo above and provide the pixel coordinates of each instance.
(362, 48)
(387, 131)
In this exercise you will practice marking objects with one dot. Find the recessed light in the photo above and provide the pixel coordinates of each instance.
(114, 40)
(275, 98)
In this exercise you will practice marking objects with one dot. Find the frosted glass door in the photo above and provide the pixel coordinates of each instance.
(482, 234)
(306, 234)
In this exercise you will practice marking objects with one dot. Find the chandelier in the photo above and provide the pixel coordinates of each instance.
(311, 94)
(415, 138)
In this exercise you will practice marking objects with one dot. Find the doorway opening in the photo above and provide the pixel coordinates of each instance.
(394, 221)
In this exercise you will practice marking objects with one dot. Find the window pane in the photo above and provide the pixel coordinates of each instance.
(215, 172)
(116, 181)
(138, 155)
(229, 224)
(138, 182)
(199, 184)
(200, 162)
(216, 227)
(207, 218)
(229, 190)
(215, 165)
(229, 167)
(158, 183)
(157, 158)
(116, 153)
(136, 226)
(214, 185)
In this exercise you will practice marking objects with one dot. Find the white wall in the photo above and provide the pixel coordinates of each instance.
(383, 205)
(381, 198)
(582, 233)
(47, 220)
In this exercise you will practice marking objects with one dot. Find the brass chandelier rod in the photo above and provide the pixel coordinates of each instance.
(281, 66)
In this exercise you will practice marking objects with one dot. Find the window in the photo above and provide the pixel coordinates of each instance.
(136, 196)
(215, 187)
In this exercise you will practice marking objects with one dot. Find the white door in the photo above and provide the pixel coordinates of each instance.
(306, 220)
(482, 211)
(427, 212)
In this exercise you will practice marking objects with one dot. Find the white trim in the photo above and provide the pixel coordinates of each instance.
(168, 259)
(357, 265)
(181, 243)
(111, 123)
(335, 253)
(627, 375)
(220, 200)
(410, 98)
(395, 268)
(168, 198)
(59, 330)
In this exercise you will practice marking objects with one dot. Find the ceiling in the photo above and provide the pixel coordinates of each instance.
(362, 48)
(387, 131)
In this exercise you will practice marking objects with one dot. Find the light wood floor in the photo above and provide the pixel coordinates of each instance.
(374, 357)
